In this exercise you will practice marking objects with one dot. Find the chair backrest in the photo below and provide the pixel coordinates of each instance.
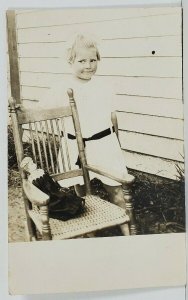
(45, 129)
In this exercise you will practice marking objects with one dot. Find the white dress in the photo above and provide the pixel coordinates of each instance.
(95, 102)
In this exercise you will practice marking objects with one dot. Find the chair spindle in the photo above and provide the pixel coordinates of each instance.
(55, 144)
(66, 143)
(49, 146)
(38, 145)
(44, 146)
(32, 143)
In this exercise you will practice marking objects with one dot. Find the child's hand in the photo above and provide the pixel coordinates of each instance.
(114, 122)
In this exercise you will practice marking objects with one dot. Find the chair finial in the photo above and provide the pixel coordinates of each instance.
(71, 96)
(70, 93)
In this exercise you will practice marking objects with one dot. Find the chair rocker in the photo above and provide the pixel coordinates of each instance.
(44, 128)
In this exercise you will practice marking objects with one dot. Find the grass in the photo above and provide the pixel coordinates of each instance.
(159, 203)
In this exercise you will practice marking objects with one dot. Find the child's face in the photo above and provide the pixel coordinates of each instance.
(85, 63)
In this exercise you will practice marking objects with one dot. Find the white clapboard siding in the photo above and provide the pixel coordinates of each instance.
(124, 28)
(135, 104)
(53, 17)
(153, 165)
(152, 145)
(34, 93)
(147, 67)
(140, 52)
(151, 66)
(169, 87)
(30, 104)
(163, 46)
(159, 126)
(150, 106)
(26, 11)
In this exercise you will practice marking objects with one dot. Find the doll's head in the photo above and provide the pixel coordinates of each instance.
(28, 165)
(83, 57)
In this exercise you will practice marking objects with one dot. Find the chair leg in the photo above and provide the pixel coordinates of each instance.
(90, 235)
(30, 229)
(130, 209)
(46, 232)
(125, 229)
(116, 195)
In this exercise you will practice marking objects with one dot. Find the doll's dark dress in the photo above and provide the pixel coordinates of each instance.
(63, 204)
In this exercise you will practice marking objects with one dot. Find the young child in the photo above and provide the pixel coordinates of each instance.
(94, 98)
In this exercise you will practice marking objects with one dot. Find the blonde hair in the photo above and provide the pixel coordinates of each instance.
(81, 41)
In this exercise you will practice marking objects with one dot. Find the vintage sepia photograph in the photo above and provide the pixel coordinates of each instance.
(95, 125)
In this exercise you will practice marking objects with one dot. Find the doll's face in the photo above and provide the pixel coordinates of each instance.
(30, 167)
(84, 65)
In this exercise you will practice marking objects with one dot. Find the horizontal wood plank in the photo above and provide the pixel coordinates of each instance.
(149, 67)
(68, 174)
(27, 116)
(35, 93)
(25, 11)
(152, 145)
(51, 17)
(150, 106)
(159, 126)
(162, 46)
(159, 25)
(152, 165)
(169, 87)
(30, 104)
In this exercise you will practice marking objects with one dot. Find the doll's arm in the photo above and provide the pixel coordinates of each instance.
(34, 195)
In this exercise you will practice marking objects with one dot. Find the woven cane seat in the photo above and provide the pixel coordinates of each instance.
(98, 214)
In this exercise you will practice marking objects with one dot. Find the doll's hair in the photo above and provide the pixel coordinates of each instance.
(81, 41)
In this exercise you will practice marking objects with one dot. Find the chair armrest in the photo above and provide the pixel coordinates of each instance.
(127, 180)
(35, 195)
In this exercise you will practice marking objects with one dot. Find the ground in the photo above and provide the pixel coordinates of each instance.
(16, 215)
(158, 203)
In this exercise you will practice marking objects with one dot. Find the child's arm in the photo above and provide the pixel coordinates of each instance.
(114, 122)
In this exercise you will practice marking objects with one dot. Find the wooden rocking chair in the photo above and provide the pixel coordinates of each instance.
(44, 127)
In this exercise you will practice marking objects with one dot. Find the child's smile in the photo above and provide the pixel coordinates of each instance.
(85, 63)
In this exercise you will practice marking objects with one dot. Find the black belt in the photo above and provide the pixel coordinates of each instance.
(96, 136)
